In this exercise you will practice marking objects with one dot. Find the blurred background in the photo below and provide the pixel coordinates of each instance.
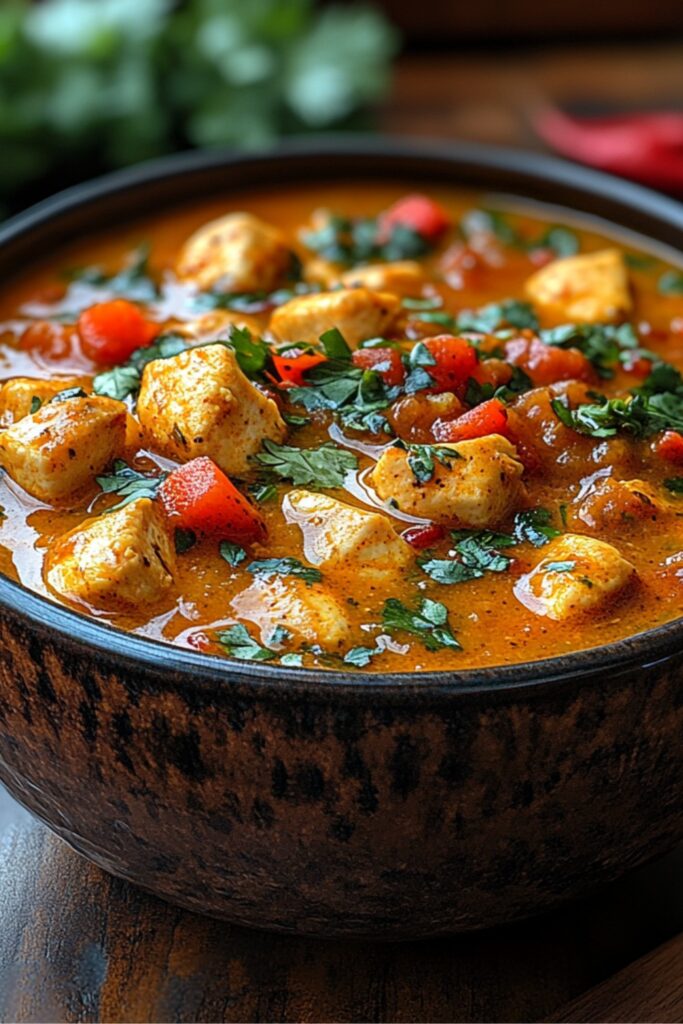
(91, 85)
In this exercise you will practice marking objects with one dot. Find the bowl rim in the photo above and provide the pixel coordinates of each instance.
(641, 650)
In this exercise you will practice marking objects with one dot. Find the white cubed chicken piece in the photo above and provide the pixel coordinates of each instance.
(404, 277)
(577, 574)
(57, 450)
(200, 403)
(478, 485)
(347, 539)
(20, 395)
(590, 288)
(215, 324)
(308, 612)
(236, 253)
(120, 560)
(357, 312)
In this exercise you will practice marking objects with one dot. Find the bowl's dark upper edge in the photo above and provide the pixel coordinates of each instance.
(528, 175)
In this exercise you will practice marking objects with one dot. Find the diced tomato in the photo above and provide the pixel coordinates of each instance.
(488, 418)
(111, 331)
(421, 537)
(51, 340)
(199, 496)
(418, 212)
(292, 366)
(547, 364)
(386, 361)
(456, 360)
(640, 367)
(670, 446)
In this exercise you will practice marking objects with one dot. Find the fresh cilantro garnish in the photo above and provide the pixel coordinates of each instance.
(124, 380)
(252, 302)
(674, 484)
(357, 396)
(561, 240)
(251, 353)
(639, 415)
(638, 261)
(429, 622)
(268, 567)
(238, 642)
(510, 313)
(479, 554)
(559, 567)
(292, 659)
(351, 241)
(36, 403)
(232, 553)
(129, 484)
(359, 657)
(325, 466)
(422, 458)
(605, 345)
(263, 491)
(334, 345)
(296, 421)
(418, 377)
(184, 540)
(476, 393)
(671, 283)
(534, 525)
(134, 282)
(430, 303)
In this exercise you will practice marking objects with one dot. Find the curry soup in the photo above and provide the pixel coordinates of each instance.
(348, 426)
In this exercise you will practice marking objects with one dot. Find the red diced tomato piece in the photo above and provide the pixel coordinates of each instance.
(386, 361)
(488, 418)
(455, 363)
(199, 496)
(291, 366)
(421, 537)
(111, 331)
(422, 214)
(670, 446)
(640, 367)
(547, 364)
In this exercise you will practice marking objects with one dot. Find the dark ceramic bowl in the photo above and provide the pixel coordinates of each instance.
(333, 803)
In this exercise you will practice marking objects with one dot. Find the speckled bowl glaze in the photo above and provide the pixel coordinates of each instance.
(334, 803)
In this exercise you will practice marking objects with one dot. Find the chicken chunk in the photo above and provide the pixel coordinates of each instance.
(57, 450)
(590, 288)
(123, 559)
(308, 613)
(357, 312)
(577, 574)
(215, 324)
(405, 277)
(20, 395)
(477, 483)
(200, 403)
(342, 537)
(236, 253)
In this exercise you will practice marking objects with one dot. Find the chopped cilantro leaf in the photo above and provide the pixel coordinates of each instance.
(360, 656)
(233, 554)
(429, 622)
(604, 345)
(268, 567)
(251, 353)
(535, 526)
(510, 313)
(292, 659)
(351, 241)
(238, 642)
(478, 551)
(67, 393)
(671, 283)
(334, 345)
(184, 540)
(325, 466)
(36, 403)
(422, 458)
(129, 484)
(559, 567)
(674, 484)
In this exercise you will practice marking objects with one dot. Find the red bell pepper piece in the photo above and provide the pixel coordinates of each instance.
(546, 364)
(111, 331)
(488, 418)
(386, 361)
(455, 363)
(199, 496)
(292, 366)
(422, 214)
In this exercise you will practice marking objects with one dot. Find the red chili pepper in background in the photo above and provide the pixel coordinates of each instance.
(421, 537)
(645, 147)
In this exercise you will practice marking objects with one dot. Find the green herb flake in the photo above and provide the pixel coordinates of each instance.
(559, 567)
(429, 623)
(534, 525)
(233, 554)
(671, 283)
(422, 458)
(238, 642)
(268, 567)
(359, 657)
(674, 484)
(129, 484)
(36, 403)
(184, 540)
(326, 466)
(292, 659)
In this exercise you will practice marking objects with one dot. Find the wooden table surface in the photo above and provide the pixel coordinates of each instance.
(77, 945)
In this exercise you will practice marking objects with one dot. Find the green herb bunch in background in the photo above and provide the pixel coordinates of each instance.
(87, 85)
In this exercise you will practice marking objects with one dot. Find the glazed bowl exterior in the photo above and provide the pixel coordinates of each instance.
(334, 803)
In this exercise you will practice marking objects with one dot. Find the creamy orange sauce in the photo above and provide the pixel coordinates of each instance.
(492, 624)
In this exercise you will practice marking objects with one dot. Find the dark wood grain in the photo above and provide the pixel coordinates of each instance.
(77, 945)
(650, 990)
